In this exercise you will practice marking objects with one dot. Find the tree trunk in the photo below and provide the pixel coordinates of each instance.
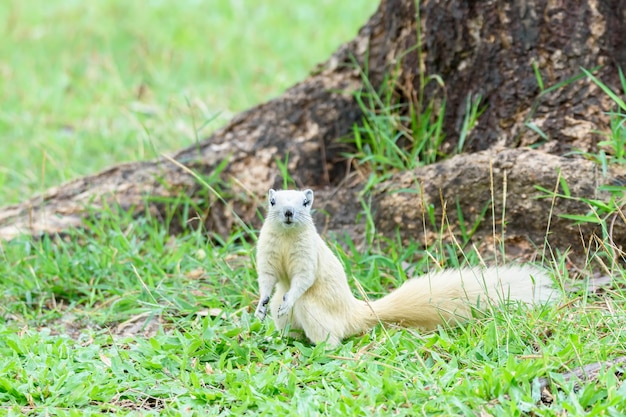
(498, 51)
(511, 199)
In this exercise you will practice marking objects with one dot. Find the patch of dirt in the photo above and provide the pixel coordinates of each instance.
(76, 324)
(139, 401)
(146, 324)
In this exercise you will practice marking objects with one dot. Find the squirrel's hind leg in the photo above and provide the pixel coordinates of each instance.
(318, 325)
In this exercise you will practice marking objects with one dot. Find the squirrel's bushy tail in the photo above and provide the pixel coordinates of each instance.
(451, 295)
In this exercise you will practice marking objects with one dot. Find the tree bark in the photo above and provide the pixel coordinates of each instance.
(511, 199)
(490, 47)
(500, 51)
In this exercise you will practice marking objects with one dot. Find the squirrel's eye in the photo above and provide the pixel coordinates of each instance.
(273, 202)
(306, 203)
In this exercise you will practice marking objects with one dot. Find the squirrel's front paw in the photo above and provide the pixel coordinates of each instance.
(285, 306)
(261, 309)
(260, 312)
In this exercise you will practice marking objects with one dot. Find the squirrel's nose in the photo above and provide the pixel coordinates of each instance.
(288, 213)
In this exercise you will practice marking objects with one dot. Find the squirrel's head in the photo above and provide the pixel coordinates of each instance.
(290, 208)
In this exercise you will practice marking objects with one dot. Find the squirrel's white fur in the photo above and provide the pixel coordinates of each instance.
(312, 292)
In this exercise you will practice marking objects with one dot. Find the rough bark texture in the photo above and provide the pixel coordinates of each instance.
(485, 48)
(489, 48)
(499, 191)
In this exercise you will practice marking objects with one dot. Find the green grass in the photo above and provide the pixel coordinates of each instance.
(122, 318)
(86, 84)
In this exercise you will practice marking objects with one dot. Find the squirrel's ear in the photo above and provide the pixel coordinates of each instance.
(271, 197)
(308, 193)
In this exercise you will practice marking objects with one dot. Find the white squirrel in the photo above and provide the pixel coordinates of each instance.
(312, 292)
